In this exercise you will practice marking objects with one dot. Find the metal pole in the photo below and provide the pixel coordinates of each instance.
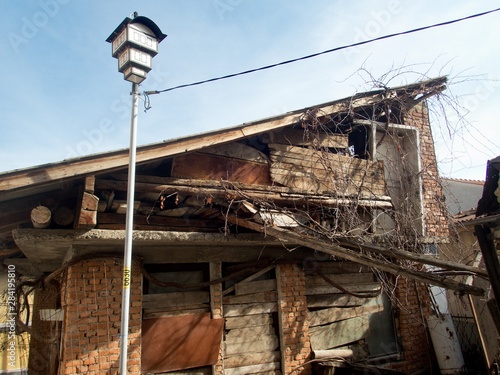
(127, 261)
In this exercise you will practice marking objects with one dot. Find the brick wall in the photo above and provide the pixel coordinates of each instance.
(435, 217)
(91, 299)
(293, 322)
(413, 309)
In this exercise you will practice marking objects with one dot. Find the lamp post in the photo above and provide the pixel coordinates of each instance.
(134, 43)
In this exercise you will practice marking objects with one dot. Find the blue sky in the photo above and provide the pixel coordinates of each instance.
(63, 96)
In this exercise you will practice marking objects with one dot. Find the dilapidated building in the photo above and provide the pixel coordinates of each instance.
(294, 244)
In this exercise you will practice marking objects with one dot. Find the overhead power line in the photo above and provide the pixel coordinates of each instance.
(322, 53)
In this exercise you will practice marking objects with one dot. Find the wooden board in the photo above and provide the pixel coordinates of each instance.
(319, 171)
(339, 333)
(250, 309)
(248, 332)
(180, 342)
(335, 314)
(158, 301)
(257, 345)
(251, 359)
(300, 137)
(253, 369)
(355, 288)
(347, 279)
(255, 287)
(247, 321)
(214, 167)
(269, 296)
(335, 300)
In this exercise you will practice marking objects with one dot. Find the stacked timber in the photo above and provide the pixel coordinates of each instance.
(321, 171)
(339, 315)
(251, 345)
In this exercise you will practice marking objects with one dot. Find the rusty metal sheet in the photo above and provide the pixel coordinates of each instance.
(180, 342)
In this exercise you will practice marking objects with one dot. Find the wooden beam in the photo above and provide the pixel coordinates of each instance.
(328, 247)
(421, 258)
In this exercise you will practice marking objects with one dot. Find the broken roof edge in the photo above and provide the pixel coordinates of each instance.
(111, 160)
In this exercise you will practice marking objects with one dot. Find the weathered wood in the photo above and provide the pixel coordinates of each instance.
(236, 340)
(251, 359)
(157, 301)
(250, 332)
(255, 287)
(64, 216)
(41, 217)
(354, 288)
(333, 353)
(229, 191)
(237, 151)
(420, 258)
(153, 314)
(249, 278)
(257, 345)
(328, 247)
(252, 369)
(248, 321)
(319, 171)
(341, 279)
(89, 184)
(332, 315)
(339, 333)
(335, 300)
(270, 296)
(213, 167)
(300, 137)
(250, 309)
(86, 210)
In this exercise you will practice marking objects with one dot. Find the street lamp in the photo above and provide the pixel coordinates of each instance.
(134, 43)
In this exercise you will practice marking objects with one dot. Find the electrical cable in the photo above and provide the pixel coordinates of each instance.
(146, 93)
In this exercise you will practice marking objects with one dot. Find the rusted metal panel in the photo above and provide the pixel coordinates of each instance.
(214, 167)
(180, 342)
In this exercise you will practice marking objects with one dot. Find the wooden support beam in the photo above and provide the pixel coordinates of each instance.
(328, 247)
(421, 258)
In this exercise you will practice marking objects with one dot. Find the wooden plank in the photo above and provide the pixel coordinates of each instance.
(153, 314)
(251, 331)
(257, 345)
(248, 321)
(249, 278)
(237, 151)
(250, 309)
(213, 167)
(89, 184)
(357, 288)
(270, 296)
(335, 300)
(235, 340)
(339, 333)
(157, 301)
(251, 359)
(252, 369)
(336, 314)
(341, 279)
(300, 137)
(255, 286)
